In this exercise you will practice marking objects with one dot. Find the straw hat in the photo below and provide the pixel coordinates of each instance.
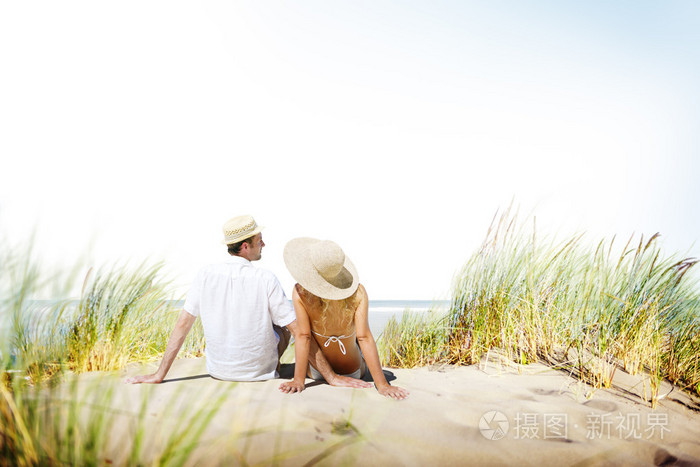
(321, 267)
(239, 228)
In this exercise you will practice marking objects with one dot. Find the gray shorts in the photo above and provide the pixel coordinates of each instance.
(355, 374)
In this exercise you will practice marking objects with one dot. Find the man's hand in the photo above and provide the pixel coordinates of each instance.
(177, 337)
(290, 387)
(348, 382)
(152, 379)
(394, 392)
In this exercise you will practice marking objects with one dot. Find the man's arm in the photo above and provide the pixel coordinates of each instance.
(177, 337)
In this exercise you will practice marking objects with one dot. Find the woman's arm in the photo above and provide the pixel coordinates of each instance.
(302, 336)
(370, 353)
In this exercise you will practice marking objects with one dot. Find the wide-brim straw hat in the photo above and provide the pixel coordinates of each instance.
(321, 267)
(239, 228)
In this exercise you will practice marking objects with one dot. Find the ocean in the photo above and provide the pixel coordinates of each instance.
(380, 311)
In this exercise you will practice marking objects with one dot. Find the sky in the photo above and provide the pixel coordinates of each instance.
(133, 130)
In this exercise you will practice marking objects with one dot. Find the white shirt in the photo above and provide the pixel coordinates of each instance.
(238, 304)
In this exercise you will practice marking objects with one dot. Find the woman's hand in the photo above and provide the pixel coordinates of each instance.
(348, 382)
(290, 387)
(394, 392)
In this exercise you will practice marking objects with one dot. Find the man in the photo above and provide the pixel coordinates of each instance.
(244, 313)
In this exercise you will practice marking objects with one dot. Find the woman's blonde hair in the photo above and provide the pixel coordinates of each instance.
(342, 319)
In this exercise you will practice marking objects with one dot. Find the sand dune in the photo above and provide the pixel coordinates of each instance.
(495, 413)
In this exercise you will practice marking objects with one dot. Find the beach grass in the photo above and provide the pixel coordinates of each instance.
(77, 423)
(591, 309)
(123, 315)
(416, 339)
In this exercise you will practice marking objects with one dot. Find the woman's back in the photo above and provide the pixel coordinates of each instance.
(332, 325)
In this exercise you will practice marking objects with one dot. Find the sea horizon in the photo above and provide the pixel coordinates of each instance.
(380, 311)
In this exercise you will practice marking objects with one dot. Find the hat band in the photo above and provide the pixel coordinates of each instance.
(237, 232)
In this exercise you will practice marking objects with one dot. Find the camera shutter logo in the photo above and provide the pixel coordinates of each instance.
(493, 425)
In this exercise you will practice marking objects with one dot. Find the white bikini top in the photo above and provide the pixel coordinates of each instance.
(335, 339)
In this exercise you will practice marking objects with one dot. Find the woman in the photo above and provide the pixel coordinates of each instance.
(331, 306)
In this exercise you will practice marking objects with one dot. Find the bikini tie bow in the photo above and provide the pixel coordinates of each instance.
(335, 339)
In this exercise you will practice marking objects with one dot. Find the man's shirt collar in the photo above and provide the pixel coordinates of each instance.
(238, 260)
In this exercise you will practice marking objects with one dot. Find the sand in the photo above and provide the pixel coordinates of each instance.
(494, 413)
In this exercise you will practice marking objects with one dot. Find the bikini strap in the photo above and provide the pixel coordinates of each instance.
(335, 339)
